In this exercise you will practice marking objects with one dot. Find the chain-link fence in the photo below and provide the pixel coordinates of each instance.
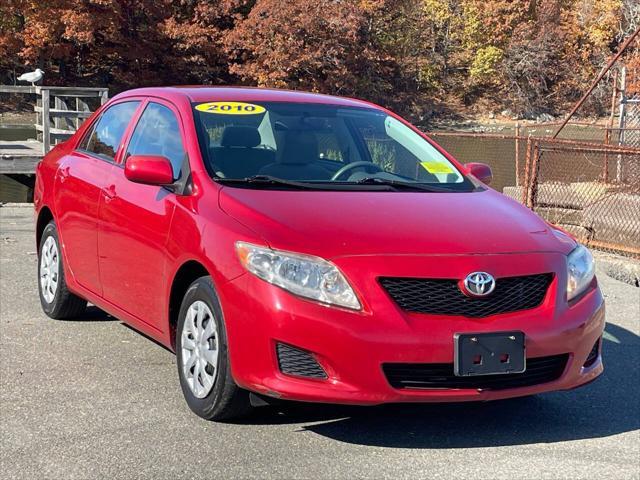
(505, 154)
(581, 175)
(591, 190)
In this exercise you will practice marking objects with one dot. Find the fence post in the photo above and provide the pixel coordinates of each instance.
(46, 122)
(527, 161)
(607, 133)
(605, 167)
(622, 120)
(533, 183)
(517, 131)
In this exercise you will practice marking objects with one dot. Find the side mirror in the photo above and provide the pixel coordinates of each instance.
(149, 169)
(481, 171)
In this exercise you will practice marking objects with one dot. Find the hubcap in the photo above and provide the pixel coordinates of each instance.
(200, 349)
(49, 269)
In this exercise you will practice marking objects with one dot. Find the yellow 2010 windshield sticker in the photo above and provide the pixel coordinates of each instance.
(230, 108)
(437, 167)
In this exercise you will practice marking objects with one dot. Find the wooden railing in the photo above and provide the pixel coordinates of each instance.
(70, 108)
(60, 110)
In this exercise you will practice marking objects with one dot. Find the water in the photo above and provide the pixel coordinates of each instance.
(10, 190)
(17, 132)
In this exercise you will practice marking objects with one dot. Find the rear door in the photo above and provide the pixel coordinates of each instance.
(135, 221)
(80, 180)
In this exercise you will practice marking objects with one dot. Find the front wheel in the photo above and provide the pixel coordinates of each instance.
(202, 357)
(56, 299)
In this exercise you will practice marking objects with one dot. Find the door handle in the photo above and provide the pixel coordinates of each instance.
(109, 192)
(63, 173)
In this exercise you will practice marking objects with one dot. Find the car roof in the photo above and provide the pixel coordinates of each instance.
(196, 94)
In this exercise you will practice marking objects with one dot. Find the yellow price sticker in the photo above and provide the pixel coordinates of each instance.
(230, 108)
(437, 167)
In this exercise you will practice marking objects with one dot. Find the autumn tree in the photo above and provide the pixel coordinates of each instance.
(197, 32)
(415, 56)
(318, 45)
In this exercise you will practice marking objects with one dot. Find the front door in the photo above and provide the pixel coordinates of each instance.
(79, 182)
(135, 220)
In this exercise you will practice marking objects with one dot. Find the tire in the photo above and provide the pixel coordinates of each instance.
(56, 299)
(196, 341)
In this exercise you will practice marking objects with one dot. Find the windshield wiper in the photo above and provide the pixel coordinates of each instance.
(399, 184)
(269, 180)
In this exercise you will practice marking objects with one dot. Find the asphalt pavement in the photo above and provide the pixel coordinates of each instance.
(92, 398)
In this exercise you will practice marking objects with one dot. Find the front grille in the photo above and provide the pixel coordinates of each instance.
(294, 361)
(444, 297)
(440, 375)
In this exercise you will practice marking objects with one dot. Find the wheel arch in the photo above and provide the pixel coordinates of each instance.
(44, 217)
(188, 272)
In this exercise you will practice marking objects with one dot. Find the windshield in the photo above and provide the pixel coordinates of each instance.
(301, 145)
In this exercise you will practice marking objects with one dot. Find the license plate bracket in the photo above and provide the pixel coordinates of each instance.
(489, 353)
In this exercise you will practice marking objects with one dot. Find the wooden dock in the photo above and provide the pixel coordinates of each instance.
(20, 157)
(59, 111)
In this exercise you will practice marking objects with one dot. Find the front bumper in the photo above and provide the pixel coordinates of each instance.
(352, 346)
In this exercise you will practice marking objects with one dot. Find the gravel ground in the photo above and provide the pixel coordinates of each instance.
(95, 399)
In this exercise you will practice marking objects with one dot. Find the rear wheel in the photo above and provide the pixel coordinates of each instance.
(202, 357)
(56, 299)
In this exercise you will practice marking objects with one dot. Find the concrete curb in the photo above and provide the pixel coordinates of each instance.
(624, 269)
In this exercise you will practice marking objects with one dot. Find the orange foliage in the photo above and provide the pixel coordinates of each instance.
(415, 56)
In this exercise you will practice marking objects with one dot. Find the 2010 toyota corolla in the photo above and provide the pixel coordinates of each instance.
(306, 247)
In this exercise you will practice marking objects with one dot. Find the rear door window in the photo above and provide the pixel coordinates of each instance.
(106, 137)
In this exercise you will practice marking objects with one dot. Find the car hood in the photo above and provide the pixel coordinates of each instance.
(337, 223)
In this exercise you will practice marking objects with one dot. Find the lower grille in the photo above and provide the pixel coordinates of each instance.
(593, 355)
(444, 297)
(440, 375)
(293, 361)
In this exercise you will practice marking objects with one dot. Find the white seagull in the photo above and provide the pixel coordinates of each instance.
(32, 77)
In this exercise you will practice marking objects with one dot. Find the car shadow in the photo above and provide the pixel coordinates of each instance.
(139, 332)
(95, 314)
(92, 314)
(606, 407)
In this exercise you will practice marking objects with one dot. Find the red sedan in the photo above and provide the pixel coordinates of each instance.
(306, 247)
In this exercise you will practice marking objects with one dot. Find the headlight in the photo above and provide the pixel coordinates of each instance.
(304, 275)
(580, 269)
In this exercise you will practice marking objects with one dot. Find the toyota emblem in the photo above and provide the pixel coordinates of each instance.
(479, 284)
